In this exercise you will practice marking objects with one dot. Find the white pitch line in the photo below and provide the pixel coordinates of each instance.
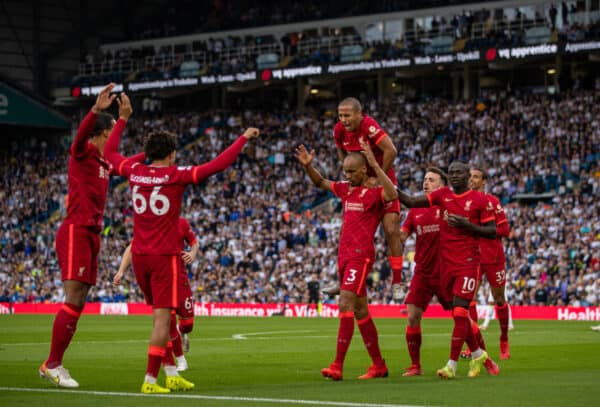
(203, 397)
(245, 336)
(257, 338)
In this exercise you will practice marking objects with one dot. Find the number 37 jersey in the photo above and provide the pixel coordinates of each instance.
(157, 193)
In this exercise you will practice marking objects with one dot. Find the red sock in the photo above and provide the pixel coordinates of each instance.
(371, 339)
(186, 325)
(396, 265)
(168, 360)
(413, 342)
(460, 331)
(474, 338)
(473, 311)
(175, 337)
(65, 324)
(502, 314)
(155, 356)
(345, 333)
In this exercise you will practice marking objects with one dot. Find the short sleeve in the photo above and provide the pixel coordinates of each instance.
(409, 226)
(373, 131)
(487, 212)
(435, 197)
(340, 189)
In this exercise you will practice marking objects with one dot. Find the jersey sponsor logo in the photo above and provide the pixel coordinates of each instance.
(185, 168)
(419, 230)
(373, 131)
(103, 173)
(354, 206)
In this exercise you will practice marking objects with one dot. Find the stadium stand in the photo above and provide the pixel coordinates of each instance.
(262, 232)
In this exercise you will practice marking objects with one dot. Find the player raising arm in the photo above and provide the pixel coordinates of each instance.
(466, 216)
(363, 208)
(78, 237)
(157, 192)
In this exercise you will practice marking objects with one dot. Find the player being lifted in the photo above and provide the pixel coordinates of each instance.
(157, 192)
(425, 282)
(363, 208)
(352, 127)
(466, 216)
(78, 237)
(178, 334)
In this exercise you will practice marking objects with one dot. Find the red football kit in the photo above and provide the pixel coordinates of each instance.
(425, 283)
(185, 308)
(459, 249)
(363, 209)
(77, 239)
(493, 260)
(157, 193)
(369, 130)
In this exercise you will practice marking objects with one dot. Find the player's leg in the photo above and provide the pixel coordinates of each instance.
(414, 339)
(370, 338)
(502, 312)
(186, 325)
(391, 228)
(157, 350)
(344, 337)
(77, 251)
(176, 343)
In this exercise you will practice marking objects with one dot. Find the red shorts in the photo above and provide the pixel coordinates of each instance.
(161, 279)
(459, 282)
(391, 207)
(77, 249)
(353, 275)
(422, 289)
(495, 274)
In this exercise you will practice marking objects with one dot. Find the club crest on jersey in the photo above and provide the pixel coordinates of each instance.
(362, 193)
(468, 205)
(437, 214)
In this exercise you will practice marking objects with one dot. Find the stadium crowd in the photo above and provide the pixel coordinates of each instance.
(263, 230)
(467, 31)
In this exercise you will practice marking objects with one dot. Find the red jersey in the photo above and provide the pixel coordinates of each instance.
(363, 209)
(425, 222)
(369, 130)
(458, 248)
(492, 251)
(186, 231)
(89, 174)
(157, 193)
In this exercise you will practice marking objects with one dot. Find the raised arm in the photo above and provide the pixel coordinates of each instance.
(103, 101)
(111, 149)
(389, 189)
(305, 158)
(226, 158)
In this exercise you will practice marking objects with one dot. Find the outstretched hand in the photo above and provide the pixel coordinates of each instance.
(125, 109)
(304, 156)
(251, 132)
(104, 99)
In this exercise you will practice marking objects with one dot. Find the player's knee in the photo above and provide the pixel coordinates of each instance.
(414, 320)
(186, 325)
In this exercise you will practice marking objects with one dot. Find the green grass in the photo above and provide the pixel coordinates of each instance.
(553, 364)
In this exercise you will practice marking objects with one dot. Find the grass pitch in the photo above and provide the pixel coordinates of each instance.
(277, 361)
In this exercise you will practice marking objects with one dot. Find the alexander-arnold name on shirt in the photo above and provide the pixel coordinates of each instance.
(139, 179)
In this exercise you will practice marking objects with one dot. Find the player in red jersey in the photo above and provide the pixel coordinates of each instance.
(493, 260)
(185, 309)
(363, 207)
(352, 127)
(157, 192)
(466, 216)
(78, 237)
(425, 283)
